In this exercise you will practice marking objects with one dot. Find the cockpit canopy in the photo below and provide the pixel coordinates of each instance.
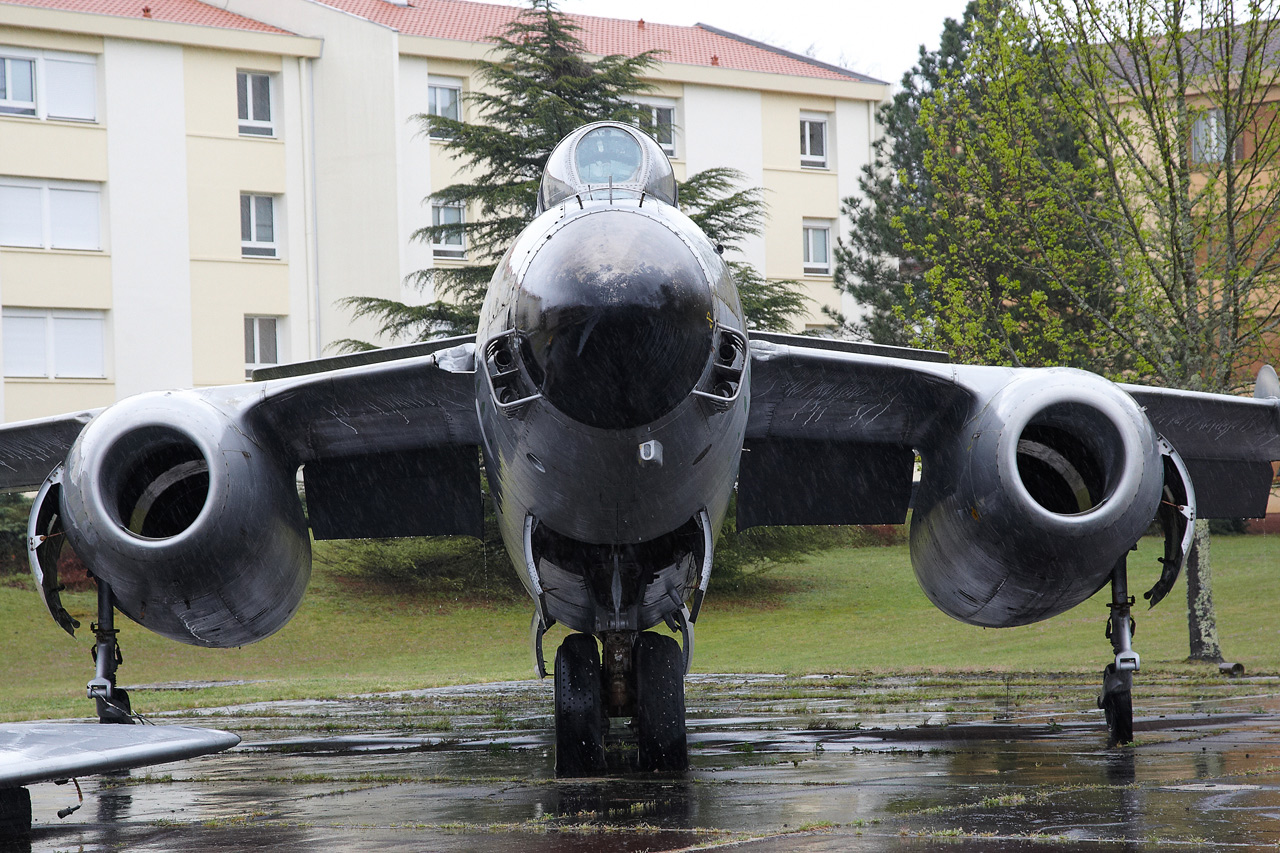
(606, 157)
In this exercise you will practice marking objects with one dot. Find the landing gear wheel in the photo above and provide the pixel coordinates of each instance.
(660, 722)
(1116, 701)
(579, 722)
(15, 813)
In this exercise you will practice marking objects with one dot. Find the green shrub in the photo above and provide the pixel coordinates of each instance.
(15, 508)
(462, 566)
(742, 557)
(458, 566)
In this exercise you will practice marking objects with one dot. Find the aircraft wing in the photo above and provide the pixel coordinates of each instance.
(394, 424)
(834, 429)
(50, 752)
(1228, 444)
(29, 450)
(406, 404)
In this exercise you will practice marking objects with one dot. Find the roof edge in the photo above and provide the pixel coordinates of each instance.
(102, 25)
(862, 78)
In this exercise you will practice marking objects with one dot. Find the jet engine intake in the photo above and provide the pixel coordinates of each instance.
(1024, 512)
(196, 526)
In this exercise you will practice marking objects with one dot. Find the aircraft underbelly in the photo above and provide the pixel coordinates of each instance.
(616, 537)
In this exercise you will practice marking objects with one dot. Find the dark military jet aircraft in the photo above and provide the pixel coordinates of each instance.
(617, 399)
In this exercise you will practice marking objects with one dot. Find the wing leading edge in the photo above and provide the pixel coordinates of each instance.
(49, 752)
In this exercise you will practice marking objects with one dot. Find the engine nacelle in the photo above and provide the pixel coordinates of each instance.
(196, 526)
(1023, 513)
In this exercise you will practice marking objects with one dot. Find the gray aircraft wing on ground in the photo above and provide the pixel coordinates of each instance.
(58, 751)
(54, 751)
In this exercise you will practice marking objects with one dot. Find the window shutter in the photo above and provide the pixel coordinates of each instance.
(71, 90)
(74, 219)
(267, 341)
(24, 346)
(77, 346)
(20, 217)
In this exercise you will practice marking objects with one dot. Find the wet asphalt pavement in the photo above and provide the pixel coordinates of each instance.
(924, 763)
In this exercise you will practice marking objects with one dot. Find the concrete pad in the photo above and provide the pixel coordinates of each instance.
(930, 762)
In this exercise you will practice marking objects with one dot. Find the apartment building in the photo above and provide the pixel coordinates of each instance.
(133, 133)
(127, 170)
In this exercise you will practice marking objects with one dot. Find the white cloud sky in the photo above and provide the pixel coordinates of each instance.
(873, 37)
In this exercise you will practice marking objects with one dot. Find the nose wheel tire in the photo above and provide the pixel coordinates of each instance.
(579, 720)
(1116, 701)
(660, 713)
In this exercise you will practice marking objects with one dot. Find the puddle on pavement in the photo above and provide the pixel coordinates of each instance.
(993, 762)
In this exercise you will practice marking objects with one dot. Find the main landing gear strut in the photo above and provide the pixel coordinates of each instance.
(112, 702)
(641, 676)
(1116, 699)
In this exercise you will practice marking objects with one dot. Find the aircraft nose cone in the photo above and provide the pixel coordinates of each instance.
(616, 315)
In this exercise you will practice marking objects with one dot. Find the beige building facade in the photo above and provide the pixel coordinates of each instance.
(189, 195)
(123, 170)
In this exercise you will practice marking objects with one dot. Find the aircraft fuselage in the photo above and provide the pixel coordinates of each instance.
(612, 397)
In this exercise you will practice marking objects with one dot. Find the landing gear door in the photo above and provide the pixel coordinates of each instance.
(44, 545)
(1177, 516)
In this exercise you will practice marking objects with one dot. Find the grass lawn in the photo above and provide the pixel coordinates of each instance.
(845, 610)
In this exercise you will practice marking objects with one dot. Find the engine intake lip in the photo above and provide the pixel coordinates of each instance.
(1090, 443)
(155, 483)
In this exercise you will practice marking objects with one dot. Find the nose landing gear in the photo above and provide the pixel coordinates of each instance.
(643, 677)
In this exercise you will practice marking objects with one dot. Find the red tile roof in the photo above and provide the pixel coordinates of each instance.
(174, 11)
(463, 20)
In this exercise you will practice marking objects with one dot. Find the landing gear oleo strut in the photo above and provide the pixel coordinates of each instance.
(1116, 699)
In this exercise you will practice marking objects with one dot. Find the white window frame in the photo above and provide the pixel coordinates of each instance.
(1209, 137)
(254, 323)
(39, 108)
(257, 127)
(253, 248)
(46, 215)
(453, 83)
(11, 106)
(808, 159)
(50, 317)
(452, 251)
(652, 105)
(808, 229)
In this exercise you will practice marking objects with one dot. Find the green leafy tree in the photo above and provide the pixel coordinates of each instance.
(1129, 144)
(539, 88)
(1016, 279)
(991, 261)
(895, 206)
(1174, 102)
(727, 213)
